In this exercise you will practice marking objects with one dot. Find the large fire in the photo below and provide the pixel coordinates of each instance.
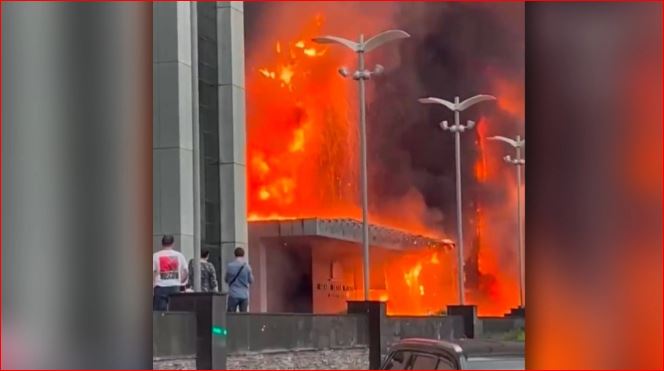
(494, 289)
(301, 133)
(417, 283)
(302, 162)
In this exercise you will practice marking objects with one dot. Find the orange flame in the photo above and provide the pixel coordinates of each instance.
(497, 287)
(300, 133)
(414, 283)
(302, 162)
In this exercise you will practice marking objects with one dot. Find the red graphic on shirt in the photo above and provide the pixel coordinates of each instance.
(169, 267)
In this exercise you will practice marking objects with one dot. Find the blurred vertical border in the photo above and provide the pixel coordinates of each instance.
(76, 185)
(594, 197)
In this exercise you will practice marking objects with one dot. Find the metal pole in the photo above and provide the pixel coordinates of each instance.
(460, 265)
(361, 74)
(196, 146)
(363, 173)
(522, 280)
(457, 129)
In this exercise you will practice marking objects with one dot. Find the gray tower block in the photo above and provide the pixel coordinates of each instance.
(232, 128)
(172, 126)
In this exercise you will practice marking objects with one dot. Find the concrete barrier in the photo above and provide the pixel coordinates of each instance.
(489, 327)
(173, 335)
(289, 340)
(257, 332)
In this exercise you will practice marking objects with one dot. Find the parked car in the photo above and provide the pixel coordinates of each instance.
(428, 354)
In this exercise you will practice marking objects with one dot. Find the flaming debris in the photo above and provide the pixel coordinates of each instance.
(302, 140)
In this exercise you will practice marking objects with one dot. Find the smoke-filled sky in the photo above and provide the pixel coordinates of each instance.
(455, 49)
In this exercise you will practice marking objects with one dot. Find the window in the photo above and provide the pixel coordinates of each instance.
(424, 362)
(397, 361)
(446, 364)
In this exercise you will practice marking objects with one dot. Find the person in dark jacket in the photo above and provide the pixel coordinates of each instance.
(208, 273)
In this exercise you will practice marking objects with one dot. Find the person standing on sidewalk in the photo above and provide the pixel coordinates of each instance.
(238, 277)
(169, 273)
(208, 273)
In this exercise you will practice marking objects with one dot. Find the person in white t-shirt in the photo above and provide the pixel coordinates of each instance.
(169, 273)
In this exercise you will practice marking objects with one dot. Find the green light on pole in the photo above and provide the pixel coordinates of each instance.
(219, 331)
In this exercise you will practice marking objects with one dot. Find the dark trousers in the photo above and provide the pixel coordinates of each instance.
(236, 303)
(161, 295)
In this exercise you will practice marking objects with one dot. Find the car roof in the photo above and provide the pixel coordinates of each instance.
(470, 348)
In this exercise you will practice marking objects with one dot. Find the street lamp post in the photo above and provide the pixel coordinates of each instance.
(362, 74)
(518, 161)
(457, 129)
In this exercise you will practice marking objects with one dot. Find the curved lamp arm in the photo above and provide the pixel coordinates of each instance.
(443, 102)
(473, 100)
(366, 46)
(338, 40)
(460, 106)
(382, 38)
(509, 141)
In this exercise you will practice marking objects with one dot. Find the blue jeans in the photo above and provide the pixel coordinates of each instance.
(161, 295)
(235, 303)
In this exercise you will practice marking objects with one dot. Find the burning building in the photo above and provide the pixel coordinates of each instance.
(276, 177)
(302, 146)
(314, 265)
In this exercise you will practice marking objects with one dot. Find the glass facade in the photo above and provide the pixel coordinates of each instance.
(209, 130)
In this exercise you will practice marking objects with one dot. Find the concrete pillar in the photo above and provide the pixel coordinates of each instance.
(260, 252)
(469, 315)
(173, 194)
(259, 298)
(232, 131)
(376, 316)
(211, 332)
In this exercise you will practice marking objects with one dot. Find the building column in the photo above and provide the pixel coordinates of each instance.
(259, 265)
(232, 131)
(173, 194)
